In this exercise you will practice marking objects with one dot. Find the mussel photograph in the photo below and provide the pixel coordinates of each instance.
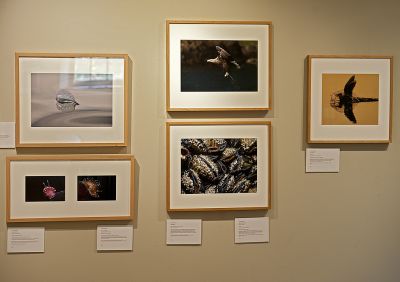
(44, 188)
(350, 99)
(71, 100)
(219, 65)
(218, 165)
(97, 187)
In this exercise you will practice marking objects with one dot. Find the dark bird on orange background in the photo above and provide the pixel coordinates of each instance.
(343, 100)
(225, 60)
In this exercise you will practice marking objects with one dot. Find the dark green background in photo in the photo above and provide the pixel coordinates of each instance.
(198, 75)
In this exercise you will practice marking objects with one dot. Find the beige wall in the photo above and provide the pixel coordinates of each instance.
(324, 227)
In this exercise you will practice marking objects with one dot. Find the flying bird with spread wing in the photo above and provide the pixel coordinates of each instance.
(343, 100)
(225, 60)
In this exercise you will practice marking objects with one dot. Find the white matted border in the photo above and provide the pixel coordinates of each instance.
(319, 133)
(218, 30)
(224, 201)
(18, 210)
(28, 63)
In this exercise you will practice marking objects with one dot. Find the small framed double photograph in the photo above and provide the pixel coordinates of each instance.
(69, 188)
(349, 99)
(218, 65)
(224, 165)
(71, 100)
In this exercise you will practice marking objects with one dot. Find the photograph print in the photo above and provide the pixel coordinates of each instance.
(97, 187)
(218, 65)
(218, 165)
(44, 188)
(349, 99)
(71, 100)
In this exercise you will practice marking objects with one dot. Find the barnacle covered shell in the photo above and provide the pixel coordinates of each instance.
(210, 190)
(242, 186)
(248, 144)
(205, 167)
(215, 144)
(228, 154)
(191, 181)
(226, 184)
(241, 163)
(197, 145)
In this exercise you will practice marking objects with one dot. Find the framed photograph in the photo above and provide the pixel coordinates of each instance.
(71, 100)
(349, 99)
(69, 188)
(218, 165)
(218, 65)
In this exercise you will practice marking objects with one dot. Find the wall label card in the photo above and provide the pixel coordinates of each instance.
(184, 231)
(322, 160)
(114, 237)
(25, 240)
(252, 230)
(7, 135)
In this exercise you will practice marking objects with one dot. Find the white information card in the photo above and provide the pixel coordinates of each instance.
(252, 230)
(25, 240)
(183, 231)
(7, 135)
(322, 160)
(114, 238)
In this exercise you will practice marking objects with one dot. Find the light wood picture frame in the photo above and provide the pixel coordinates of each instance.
(69, 188)
(71, 100)
(349, 99)
(223, 165)
(218, 65)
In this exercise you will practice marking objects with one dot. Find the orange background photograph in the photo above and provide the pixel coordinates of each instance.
(367, 86)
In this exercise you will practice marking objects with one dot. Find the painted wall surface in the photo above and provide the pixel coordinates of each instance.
(324, 227)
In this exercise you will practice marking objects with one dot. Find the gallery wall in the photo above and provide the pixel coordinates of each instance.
(324, 227)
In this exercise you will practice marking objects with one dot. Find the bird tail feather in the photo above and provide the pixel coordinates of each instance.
(360, 100)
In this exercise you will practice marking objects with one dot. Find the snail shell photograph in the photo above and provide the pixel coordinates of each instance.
(217, 165)
(71, 100)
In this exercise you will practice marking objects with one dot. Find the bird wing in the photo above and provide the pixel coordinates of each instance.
(221, 52)
(348, 88)
(348, 112)
(225, 66)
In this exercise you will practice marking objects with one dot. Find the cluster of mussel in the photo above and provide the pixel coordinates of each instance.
(216, 165)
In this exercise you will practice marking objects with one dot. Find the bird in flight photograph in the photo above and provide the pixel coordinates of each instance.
(219, 66)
